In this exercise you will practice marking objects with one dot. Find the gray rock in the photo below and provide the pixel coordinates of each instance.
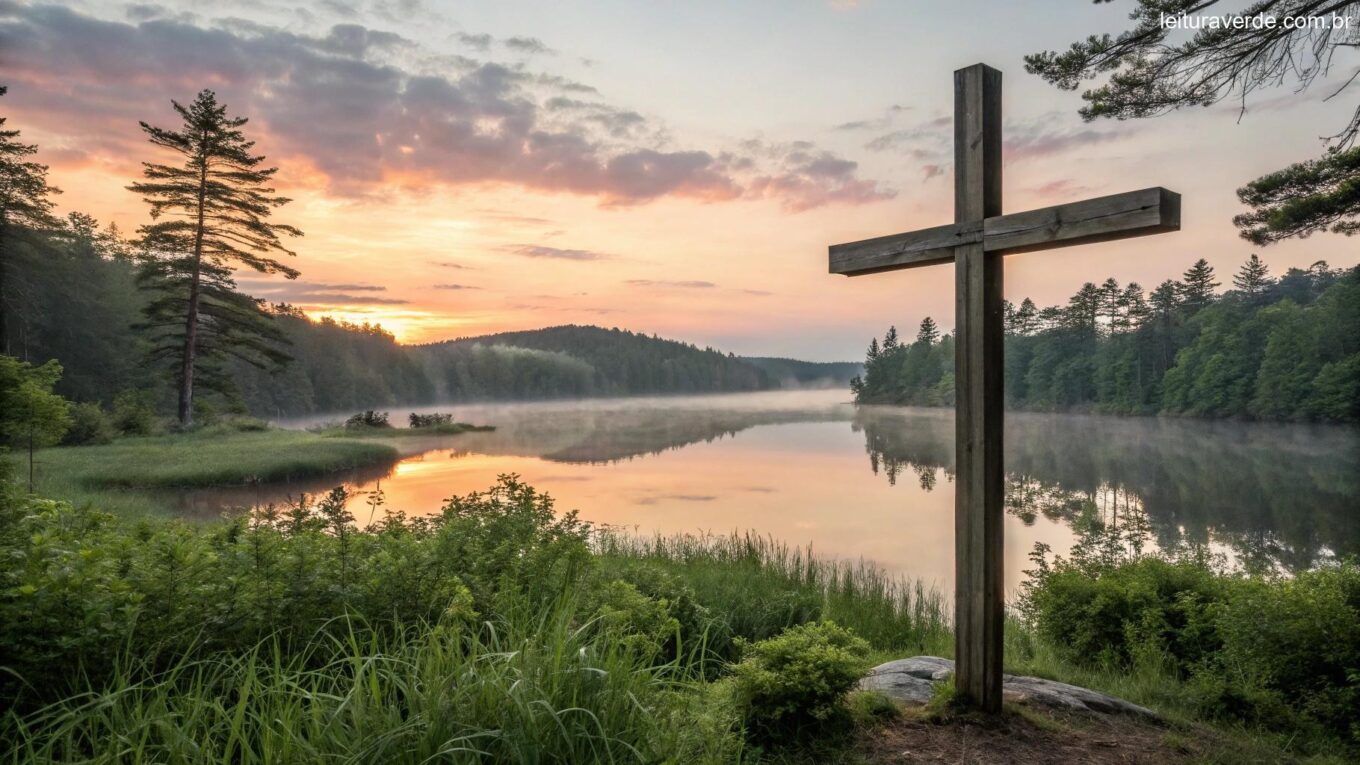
(912, 681)
(908, 680)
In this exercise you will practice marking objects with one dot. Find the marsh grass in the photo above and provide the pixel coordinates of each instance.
(758, 587)
(121, 477)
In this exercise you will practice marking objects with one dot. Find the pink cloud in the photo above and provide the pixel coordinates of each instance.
(334, 102)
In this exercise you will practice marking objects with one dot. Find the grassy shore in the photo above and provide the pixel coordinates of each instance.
(497, 630)
(123, 477)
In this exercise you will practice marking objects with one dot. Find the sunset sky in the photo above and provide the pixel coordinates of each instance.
(462, 168)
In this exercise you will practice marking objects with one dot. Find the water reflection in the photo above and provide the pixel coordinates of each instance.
(1281, 496)
(793, 465)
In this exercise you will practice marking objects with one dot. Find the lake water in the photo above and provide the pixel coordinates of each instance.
(876, 482)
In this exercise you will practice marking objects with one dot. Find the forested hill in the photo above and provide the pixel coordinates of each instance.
(73, 297)
(582, 361)
(793, 373)
(1278, 349)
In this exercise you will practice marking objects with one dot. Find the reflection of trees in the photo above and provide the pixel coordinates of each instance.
(610, 435)
(1277, 494)
(212, 502)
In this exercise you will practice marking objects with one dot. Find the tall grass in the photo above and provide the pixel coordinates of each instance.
(757, 587)
(123, 477)
(209, 459)
(531, 692)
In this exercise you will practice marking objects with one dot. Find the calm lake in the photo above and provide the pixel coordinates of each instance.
(807, 467)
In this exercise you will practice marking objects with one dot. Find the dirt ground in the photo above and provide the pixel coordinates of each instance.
(1027, 737)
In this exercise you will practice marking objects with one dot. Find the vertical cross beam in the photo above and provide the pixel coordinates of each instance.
(979, 597)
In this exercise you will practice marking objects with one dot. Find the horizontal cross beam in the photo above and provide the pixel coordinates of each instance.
(1118, 216)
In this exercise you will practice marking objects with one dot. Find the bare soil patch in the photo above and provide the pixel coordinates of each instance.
(1034, 737)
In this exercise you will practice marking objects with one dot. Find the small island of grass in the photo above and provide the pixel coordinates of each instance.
(374, 424)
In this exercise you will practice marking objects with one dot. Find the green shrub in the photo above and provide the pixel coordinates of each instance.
(793, 687)
(133, 414)
(430, 420)
(510, 545)
(233, 423)
(77, 585)
(691, 633)
(89, 426)
(1148, 609)
(1300, 638)
(641, 625)
(368, 419)
(1274, 651)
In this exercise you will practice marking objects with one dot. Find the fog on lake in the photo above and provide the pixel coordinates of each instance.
(809, 468)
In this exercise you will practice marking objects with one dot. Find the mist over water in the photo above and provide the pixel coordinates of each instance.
(809, 468)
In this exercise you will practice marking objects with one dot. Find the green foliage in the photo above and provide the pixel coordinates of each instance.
(793, 687)
(234, 452)
(578, 360)
(31, 415)
(489, 630)
(729, 587)
(528, 692)
(25, 208)
(1145, 610)
(210, 216)
(432, 420)
(368, 419)
(1299, 638)
(1286, 349)
(89, 426)
(133, 414)
(661, 608)
(510, 545)
(792, 373)
(1282, 652)
(1143, 74)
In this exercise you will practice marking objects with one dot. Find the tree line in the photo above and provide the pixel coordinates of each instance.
(1284, 348)
(157, 322)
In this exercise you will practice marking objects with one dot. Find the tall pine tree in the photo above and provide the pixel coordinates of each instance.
(928, 334)
(890, 340)
(25, 208)
(1253, 277)
(210, 216)
(1197, 285)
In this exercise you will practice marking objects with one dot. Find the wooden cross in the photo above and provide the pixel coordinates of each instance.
(976, 242)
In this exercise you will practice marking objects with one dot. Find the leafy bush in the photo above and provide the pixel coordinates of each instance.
(133, 414)
(1300, 638)
(1149, 609)
(89, 426)
(430, 420)
(672, 615)
(1282, 652)
(368, 419)
(794, 686)
(76, 586)
(510, 546)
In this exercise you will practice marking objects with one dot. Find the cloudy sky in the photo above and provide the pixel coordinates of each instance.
(673, 168)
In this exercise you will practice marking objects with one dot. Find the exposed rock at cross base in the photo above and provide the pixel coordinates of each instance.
(912, 681)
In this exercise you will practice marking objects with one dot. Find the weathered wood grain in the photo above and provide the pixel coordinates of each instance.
(926, 247)
(979, 599)
(1118, 216)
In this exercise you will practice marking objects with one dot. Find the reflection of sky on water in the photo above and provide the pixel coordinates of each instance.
(806, 468)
